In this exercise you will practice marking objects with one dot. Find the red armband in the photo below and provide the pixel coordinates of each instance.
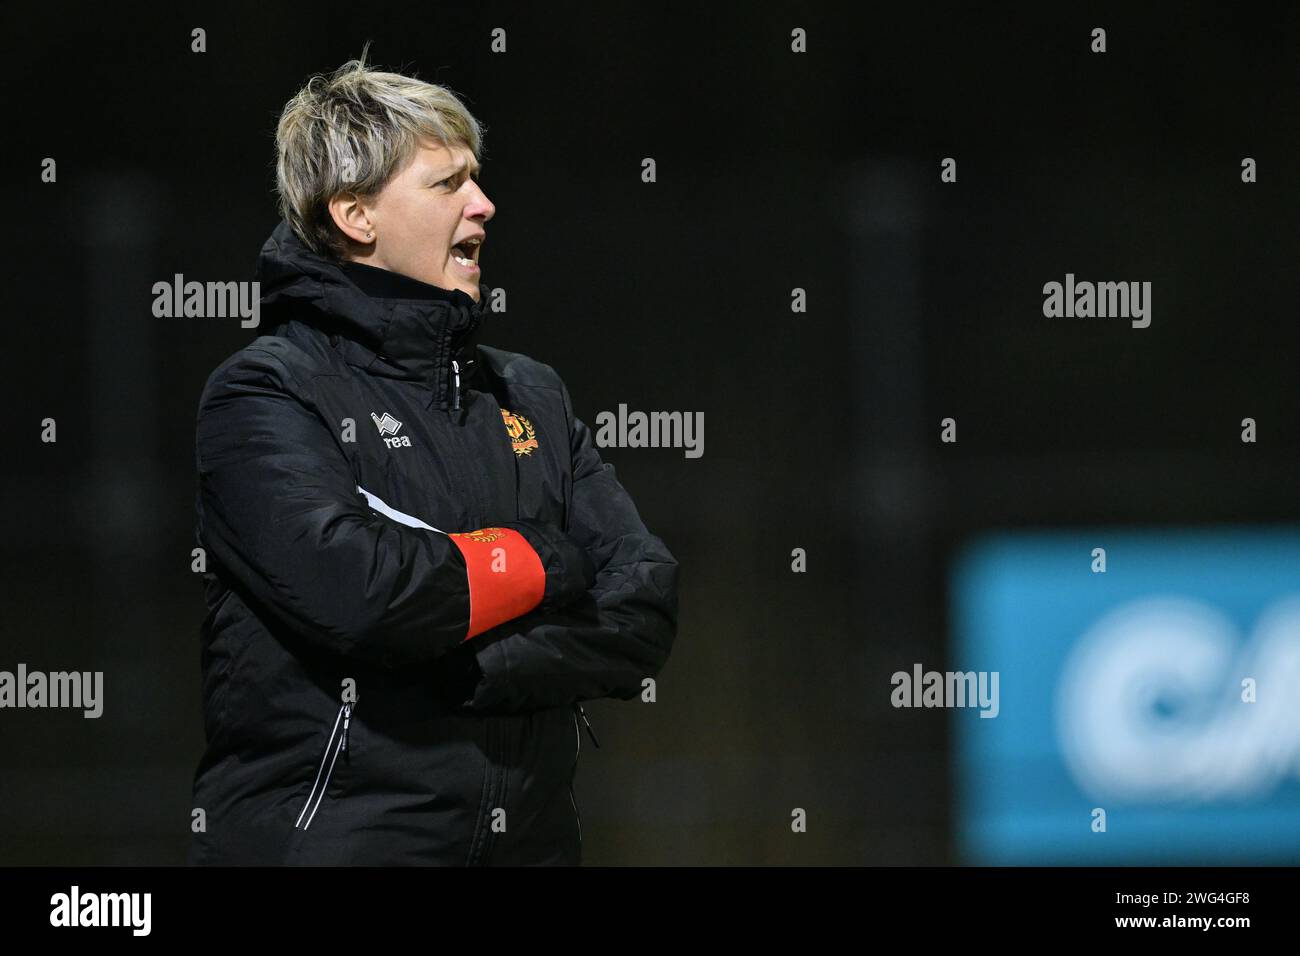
(506, 577)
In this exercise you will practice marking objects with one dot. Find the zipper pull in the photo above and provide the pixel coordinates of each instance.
(455, 393)
(590, 733)
(347, 717)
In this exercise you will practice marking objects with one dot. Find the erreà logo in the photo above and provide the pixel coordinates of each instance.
(388, 425)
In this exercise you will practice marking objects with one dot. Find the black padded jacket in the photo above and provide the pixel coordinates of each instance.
(417, 568)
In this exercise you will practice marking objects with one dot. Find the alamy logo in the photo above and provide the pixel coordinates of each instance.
(73, 689)
(1102, 300)
(923, 688)
(388, 425)
(208, 300)
(651, 430)
(103, 909)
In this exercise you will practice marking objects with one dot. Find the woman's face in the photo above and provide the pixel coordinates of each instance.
(423, 215)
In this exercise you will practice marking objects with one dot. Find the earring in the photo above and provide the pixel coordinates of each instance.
(370, 235)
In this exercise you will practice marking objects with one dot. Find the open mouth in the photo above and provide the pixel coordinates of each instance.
(466, 252)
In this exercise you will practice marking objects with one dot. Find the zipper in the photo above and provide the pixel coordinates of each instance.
(591, 733)
(347, 719)
(577, 735)
(317, 788)
(495, 750)
(455, 388)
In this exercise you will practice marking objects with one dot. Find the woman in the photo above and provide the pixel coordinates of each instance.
(418, 564)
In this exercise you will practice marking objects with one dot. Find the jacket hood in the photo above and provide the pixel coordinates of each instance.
(401, 328)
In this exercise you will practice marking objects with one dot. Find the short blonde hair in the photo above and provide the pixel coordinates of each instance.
(352, 131)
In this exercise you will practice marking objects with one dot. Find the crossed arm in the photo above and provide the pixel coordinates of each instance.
(590, 610)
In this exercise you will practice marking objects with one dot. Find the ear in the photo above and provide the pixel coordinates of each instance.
(352, 218)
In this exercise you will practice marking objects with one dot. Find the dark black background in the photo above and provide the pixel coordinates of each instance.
(775, 171)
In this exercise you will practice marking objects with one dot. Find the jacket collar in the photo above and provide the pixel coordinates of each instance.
(388, 324)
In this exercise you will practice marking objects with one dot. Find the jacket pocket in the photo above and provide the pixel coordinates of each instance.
(338, 743)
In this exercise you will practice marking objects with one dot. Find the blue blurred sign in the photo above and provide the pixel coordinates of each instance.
(1161, 696)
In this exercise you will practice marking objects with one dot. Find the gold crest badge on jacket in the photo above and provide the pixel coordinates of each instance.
(523, 437)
